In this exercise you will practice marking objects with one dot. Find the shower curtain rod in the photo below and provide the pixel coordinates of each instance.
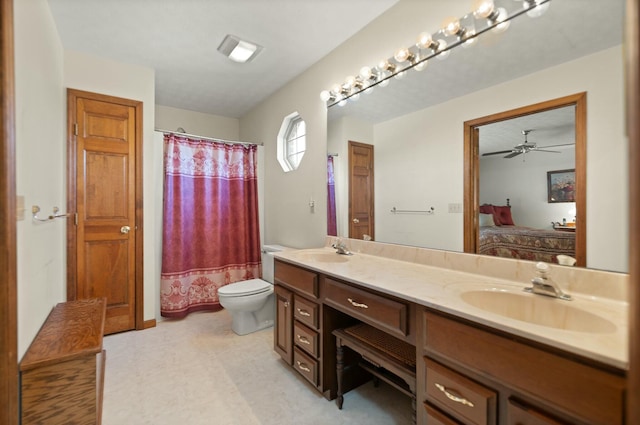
(212, 139)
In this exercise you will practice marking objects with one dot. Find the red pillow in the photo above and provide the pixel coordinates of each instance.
(486, 209)
(490, 209)
(504, 215)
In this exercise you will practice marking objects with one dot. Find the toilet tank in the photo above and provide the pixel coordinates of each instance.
(268, 260)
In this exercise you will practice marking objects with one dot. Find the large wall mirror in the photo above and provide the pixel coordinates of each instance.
(416, 127)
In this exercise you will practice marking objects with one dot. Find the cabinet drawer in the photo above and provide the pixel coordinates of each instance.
(521, 414)
(376, 309)
(307, 366)
(300, 279)
(436, 417)
(305, 338)
(457, 395)
(306, 312)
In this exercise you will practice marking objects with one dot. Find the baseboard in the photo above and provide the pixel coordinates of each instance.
(149, 324)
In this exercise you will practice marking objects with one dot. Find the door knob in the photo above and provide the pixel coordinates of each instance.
(355, 220)
(125, 229)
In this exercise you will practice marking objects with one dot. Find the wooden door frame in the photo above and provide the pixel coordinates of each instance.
(471, 168)
(72, 96)
(632, 68)
(9, 411)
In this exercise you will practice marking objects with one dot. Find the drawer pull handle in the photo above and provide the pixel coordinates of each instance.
(286, 304)
(303, 339)
(356, 304)
(303, 366)
(453, 397)
(304, 313)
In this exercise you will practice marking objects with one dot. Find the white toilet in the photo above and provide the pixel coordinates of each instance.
(251, 302)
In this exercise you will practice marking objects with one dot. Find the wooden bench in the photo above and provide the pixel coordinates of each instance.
(382, 355)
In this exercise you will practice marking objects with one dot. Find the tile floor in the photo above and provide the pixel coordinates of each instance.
(197, 371)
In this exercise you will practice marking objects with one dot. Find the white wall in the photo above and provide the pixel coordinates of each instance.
(197, 123)
(40, 165)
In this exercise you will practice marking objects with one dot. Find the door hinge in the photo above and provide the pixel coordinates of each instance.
(75, 218)
(75, 129)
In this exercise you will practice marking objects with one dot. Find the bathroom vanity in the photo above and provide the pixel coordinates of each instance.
(475, 363)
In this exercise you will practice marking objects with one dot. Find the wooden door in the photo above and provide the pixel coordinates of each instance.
(361, 194)
(103, 193)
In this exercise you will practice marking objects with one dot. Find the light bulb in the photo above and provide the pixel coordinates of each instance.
(337, 88)
(365, 72)
(538, 10)
(424, 40)
(420, 66)
(451, 26)
(382, 77)
(501, 21)
(342, 102)
(470, 39)
(350, 81)
(441, 46)
(325, 95)
(402, 55)
(482, 9)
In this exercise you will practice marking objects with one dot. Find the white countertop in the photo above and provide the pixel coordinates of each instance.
(440, 288)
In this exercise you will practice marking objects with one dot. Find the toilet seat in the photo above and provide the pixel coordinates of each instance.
(245, 287)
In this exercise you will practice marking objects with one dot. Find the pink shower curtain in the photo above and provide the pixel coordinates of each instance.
(332, 229)
(210, 227)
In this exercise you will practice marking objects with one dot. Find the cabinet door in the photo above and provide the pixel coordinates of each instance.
(283, 329)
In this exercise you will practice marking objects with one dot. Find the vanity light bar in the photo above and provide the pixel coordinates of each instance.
(486, 16)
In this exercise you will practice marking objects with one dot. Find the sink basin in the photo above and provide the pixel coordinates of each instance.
(323, 257)
(538, 310)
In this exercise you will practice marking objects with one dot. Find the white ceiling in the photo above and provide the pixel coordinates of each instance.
(179, 38)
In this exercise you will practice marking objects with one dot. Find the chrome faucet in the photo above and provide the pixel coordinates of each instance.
(341, 248)
(543, 285)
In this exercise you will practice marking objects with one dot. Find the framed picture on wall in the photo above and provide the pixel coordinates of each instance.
(561, 186)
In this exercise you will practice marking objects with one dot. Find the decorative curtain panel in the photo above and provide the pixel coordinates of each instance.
(332, 227)
(210, 228)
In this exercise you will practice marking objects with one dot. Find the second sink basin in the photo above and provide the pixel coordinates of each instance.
(538, 310)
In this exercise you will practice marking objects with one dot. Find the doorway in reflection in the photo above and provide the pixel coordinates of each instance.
(515, 163)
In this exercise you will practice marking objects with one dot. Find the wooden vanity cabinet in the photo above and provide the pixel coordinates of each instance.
(533, 385)
(297, 327)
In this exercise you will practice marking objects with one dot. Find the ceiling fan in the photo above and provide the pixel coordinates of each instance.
(525, 147)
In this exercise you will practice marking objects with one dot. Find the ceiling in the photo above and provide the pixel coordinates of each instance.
(179, 38)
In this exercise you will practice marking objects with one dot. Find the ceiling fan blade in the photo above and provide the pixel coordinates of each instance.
(497, 153)
(544, 150)
(512, 154)
(555, 146)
